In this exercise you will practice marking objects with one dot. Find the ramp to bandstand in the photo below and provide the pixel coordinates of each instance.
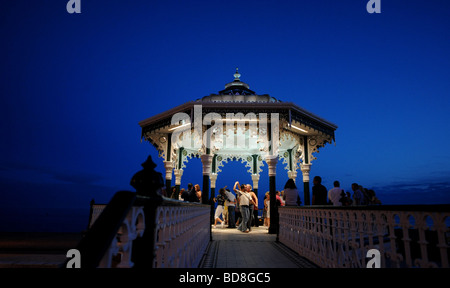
(231, 248)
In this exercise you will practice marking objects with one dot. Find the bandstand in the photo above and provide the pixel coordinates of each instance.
(238, 124)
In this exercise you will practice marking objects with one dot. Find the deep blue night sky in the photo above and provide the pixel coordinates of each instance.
(74, 87)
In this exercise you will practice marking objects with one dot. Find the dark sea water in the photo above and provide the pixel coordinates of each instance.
(405, 196)
(44, 220)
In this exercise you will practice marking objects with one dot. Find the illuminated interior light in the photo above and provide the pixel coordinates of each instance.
(181, 126)
(298, 128)
(241, 120)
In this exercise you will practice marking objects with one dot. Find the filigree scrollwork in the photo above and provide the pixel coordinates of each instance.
(159, 141)
(186, 155)
(315, 143)
(245, 159)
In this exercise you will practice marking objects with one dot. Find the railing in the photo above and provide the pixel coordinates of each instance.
(405, 236)
(139, 231)
(96, 210)
(182, 234)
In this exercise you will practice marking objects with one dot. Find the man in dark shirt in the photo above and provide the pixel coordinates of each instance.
(192, 195)
(189, 194)
(319, 192)
(184, 194)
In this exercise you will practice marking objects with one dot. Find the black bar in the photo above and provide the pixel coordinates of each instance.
(306, 194)
(273, 228)
(205, 190)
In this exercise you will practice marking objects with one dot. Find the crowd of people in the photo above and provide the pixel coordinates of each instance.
(240, 210)
(339, 197)
(193, 193)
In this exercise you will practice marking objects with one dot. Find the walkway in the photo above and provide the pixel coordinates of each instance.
(231, 248)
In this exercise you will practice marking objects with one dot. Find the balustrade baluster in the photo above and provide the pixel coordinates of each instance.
(341, 237)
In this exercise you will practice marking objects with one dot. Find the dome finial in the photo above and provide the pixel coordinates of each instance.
(237, 75)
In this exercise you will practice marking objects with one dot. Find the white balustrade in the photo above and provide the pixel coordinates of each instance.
(119, 252)
(181, 236)
(340, 237)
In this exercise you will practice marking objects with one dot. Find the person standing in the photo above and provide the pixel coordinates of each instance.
(365, 195)
(231, 206)
(335, 194)
(267, 209)
(319, 192)
(373, 198)
(349, 199)
(237, 210)
(238, 203)
(192, 195)
(291, 194)
(180, 195)
(198, 193)
(221, 198)
(357, 195)
(244, 205)
(185, 194)
(252, 207)
(346, 201)
(173, 193)
(280, 201)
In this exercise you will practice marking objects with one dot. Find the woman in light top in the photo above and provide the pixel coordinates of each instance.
(198, 192)
(291, 194)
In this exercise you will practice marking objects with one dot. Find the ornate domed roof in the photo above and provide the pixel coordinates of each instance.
(237, 87)
(238, 98)
(237, 91)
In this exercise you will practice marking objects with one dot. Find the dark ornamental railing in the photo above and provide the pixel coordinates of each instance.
(171, 234)
(143, 229)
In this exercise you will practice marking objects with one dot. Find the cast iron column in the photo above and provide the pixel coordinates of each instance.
(272, 163)
(178, 173)
(168, 165)
(206, 198)
(306, 167)
(206, 161)
(305, 170)
(213, 178)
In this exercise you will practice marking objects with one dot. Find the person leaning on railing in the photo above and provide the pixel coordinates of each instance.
(291, 194)
(335, 194)
(358, 197)
(198, 192)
